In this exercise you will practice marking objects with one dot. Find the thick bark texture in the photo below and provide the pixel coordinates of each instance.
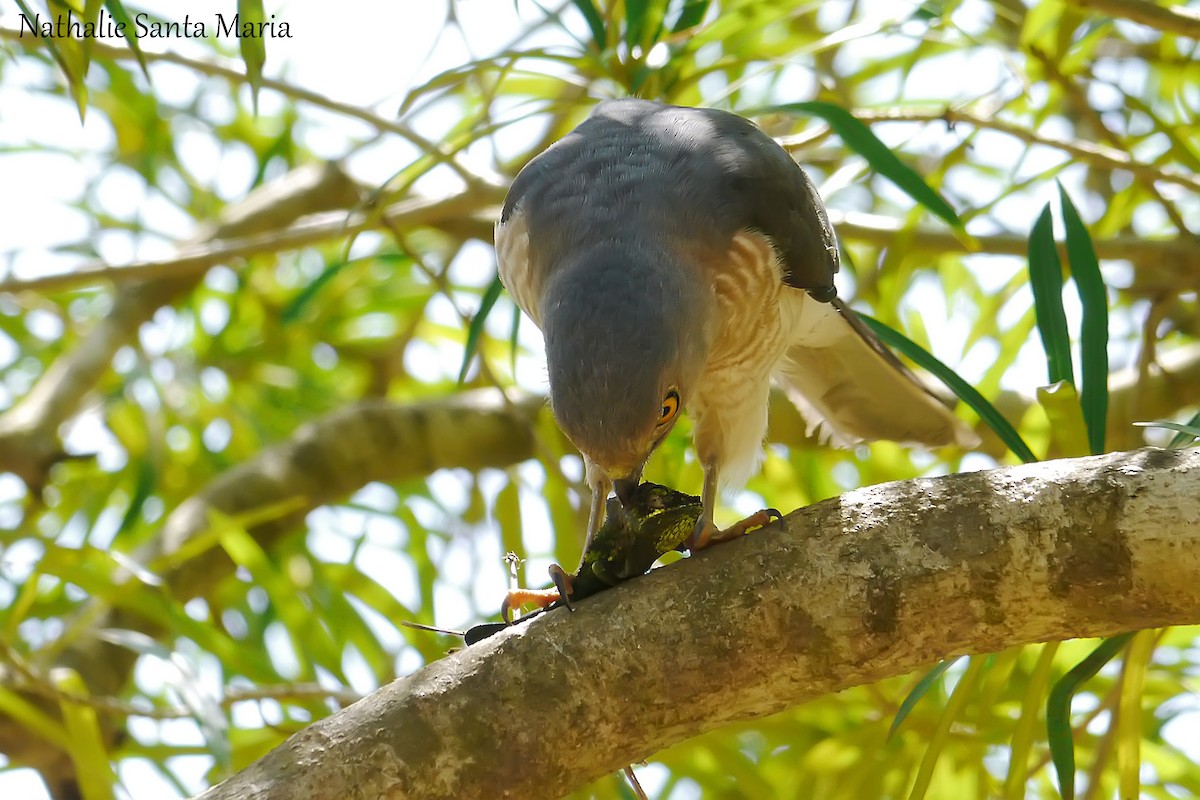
(871, 584)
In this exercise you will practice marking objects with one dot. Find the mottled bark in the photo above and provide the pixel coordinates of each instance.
(871, 584)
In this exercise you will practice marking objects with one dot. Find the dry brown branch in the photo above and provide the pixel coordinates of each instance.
(872, 584)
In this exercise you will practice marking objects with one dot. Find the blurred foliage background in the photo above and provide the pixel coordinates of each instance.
(235, 453)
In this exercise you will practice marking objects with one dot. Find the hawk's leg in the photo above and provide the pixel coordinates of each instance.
(707, 533)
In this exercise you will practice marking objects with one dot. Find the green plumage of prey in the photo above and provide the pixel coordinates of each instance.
(656, 520)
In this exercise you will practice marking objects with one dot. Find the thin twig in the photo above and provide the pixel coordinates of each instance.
(1095, 154)
(238, 77)
(1168, 19)
(1173, 259)
(317, 229)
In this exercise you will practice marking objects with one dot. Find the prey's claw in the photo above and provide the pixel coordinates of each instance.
(772, 513)
(563, 584)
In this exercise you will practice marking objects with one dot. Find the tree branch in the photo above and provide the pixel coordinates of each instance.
(1178, 19)
(334, 456)
(872, 584)
(452, 210)
(29, 441)
(1162, 264)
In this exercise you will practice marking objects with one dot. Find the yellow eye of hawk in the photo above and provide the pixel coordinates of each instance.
(670, 407)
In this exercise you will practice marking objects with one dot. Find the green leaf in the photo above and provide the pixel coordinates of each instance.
(292, 311)
(1023, 734)
(147, 479)
(253, 48)
(71, 57)
(513, 332)
(117, 10)
(475, 329)
(86, 744)
(1129, 712)
(691, 15)
(1185, 434)
(941, 735)
(1067, 431)
(920, 690)
(1046, 280)
(595, 22)
(1093, 334)
(33, 719)
(635, 22)
(862, 140)
(1058, 710)
(965, 391)
(312, 642)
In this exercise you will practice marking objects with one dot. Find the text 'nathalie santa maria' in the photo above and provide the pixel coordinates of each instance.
(146, 27)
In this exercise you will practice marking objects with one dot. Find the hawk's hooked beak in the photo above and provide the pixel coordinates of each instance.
(625, 487)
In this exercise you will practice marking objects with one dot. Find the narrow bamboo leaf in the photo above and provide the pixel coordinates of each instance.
(1068, 433)
(253, 48)
(1022, 738)
(513, 332)
(691, 15)
(941, 735)
(920, 690)
(862, 140)
(68, 53)
(595, 22)
(293, 310)
(312, 642)
(89, 756)
(1129, 713)
(1190, 433)
(1185, 434)
(1046, 281)
(1058, 710)
(91, 14)
(147, 479)
(965, 391)
(1093, 334)
(635, 22)
(475, 329)
(33, 720)
(118, 12)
